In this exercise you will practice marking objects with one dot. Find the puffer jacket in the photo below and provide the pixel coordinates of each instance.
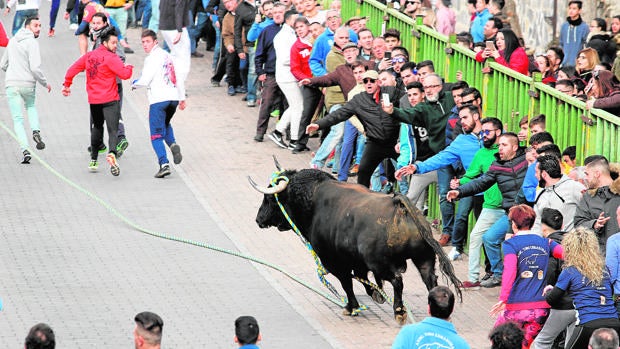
(378, 125)
(604, 199)
(508, 174)
(563, 196)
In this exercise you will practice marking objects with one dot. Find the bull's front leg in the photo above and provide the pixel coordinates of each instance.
(400, 313)
(347, 285)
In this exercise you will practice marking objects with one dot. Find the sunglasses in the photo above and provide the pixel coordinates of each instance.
(398, 60)
(367, 80)
(486, 132)
(413, 2)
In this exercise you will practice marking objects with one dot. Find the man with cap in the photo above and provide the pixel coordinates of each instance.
(381, 129)
(247, 333)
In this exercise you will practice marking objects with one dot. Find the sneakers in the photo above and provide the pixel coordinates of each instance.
(276, 137)
(36, 136)
(102, 148)
(444, 239)
(259, 137)
(468, 285)
(251, 104)
(231, 90)
(491, 282)
(300, 148)
(51, 33)
(487, 276)
(73, 26)
(93, 165)
(176, 153)
(215, 83)
(128, 50)
(27, 157)
(353, 170)
(454, 254)
(164, 170)
(241, 89)
(121, 146)
(197, 54)
(114, 169)
(292, 145)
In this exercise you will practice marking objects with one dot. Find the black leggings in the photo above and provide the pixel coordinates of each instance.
(110, 113)
(581, 334)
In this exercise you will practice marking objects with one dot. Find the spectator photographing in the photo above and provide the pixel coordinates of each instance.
(506, 52)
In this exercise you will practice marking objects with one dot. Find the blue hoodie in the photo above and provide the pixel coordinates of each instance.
(572, 40)
(463, 148)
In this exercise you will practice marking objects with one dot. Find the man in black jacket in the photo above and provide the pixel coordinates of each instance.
(508, 171)
(244, 18)
(381, 129)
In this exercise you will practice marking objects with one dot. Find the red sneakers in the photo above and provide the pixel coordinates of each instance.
(468, 285)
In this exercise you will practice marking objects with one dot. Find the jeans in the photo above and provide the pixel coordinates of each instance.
(377, 178)
(558, 321)
(459, 231)
(154, 21)
(348, 146)
(54, 13)
(18, 96)
(333, 139)
(252, 77)
(120, 16)
(160, 115)
(292, 114)
(217, 48)
(492, 240)
(196, 29)
(143, 12)
(444, 175)
(487, 218)
(20, 18)
(418, 185)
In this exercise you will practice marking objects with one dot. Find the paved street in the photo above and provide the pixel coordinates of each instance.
(68, 261)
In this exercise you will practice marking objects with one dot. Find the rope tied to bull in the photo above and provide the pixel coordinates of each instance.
(321, 270)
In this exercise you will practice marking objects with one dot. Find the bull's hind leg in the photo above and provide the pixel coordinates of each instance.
(400, 313)
(347, 285)
(374, 294)
(426, 267)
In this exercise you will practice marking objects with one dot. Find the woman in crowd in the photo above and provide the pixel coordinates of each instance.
(586, 280)
(526, 257)
(544, 67)
(601, 40)
(587, 59)
(507, 52)
(604, 92)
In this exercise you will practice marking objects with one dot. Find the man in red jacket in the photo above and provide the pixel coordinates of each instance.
(102, 66)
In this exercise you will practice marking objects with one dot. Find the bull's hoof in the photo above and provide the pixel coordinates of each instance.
(400, 315)
(378, 297)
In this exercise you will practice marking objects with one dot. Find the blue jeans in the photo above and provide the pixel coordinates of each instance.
(487, 218)
(333, 139)
(252, 77)
(19, 97)
(20, 18)
(492, 240)
(143, 12)
(217, 48)
(154, 21)
(54, 12)
(196, 29)
(160, 115)
(444, 175)
(459, 231)
(346, 153)
(377, 178)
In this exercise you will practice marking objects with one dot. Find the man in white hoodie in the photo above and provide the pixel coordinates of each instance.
(165, 93)
(22, 63)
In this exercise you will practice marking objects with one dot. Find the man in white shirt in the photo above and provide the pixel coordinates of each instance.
(165, 93)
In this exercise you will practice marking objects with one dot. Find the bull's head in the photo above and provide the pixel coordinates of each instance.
(269, 214)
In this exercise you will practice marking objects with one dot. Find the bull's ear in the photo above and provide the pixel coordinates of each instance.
(277, 163)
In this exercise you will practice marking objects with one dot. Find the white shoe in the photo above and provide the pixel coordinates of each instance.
(73, 26)
(454, 254)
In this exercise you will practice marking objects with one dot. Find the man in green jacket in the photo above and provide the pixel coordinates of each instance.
(492, 205)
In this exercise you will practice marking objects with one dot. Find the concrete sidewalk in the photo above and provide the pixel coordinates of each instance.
(68, 261)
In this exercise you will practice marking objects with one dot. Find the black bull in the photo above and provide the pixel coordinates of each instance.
(354, 230)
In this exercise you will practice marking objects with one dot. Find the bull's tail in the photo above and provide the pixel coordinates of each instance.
(425, 230)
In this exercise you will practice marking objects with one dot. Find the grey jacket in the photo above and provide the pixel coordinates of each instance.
(174, 15)
(22, 61)
(564, 197)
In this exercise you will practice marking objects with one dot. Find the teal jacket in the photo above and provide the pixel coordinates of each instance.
(479, 165)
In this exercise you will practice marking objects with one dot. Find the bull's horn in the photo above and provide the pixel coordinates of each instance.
(269, 191)
(275, 160)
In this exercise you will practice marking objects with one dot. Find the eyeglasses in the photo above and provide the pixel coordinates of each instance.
(333, 18)
(487, 132)
(471, 101)
(432, 86)
(367, 80)
(399, 60)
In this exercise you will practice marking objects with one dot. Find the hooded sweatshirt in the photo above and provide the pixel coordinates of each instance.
(22, 61)
(573, 35)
